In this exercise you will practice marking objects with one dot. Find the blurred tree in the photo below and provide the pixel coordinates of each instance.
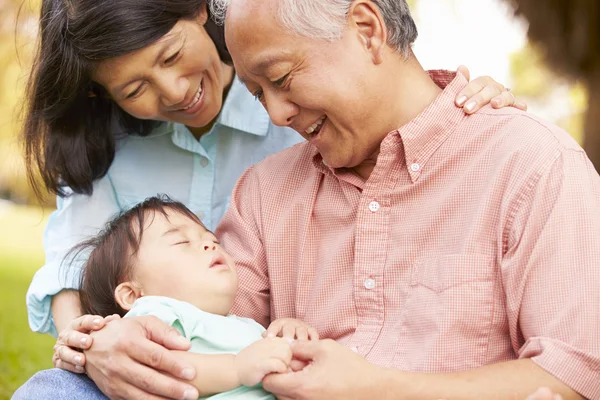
(18, 24)
(568, 32)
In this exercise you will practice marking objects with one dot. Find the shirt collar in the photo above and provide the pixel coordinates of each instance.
(423, 135)
(243, 112)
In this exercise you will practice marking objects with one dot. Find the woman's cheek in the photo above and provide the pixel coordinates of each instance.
(142, 109)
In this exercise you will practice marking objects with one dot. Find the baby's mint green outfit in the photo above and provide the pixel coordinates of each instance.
(209, 334)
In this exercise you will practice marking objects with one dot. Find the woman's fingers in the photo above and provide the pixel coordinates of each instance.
(77, 369)
(508, 99)
(480, 99)
(70, 356)
(88, 323)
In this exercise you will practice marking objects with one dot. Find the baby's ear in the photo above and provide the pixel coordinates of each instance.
(126, 294)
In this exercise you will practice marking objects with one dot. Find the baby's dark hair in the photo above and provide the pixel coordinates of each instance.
(113, 253)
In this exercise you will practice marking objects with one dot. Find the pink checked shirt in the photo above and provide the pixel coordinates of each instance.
(476, 240)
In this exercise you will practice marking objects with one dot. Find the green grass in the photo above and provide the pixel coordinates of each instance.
(22, 352)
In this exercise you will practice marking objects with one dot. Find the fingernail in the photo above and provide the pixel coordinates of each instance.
(77, 360)
(188, 374)
(190, 394)
(183, 341)
(461, 100)
(470, 106)
(271, 335)
(496, 103)
(97, 321)
(84, 341)
(79, 368)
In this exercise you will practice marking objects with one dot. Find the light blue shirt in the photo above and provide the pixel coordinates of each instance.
(200, 174)
(208, 333)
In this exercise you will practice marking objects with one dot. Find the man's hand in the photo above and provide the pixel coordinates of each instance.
(127, 357)
(333, 372)
(261, 358)
(291, 328)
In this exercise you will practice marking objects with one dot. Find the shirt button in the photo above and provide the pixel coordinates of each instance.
(374, 206)
(415, 167)
(204, 162)
(370, 284)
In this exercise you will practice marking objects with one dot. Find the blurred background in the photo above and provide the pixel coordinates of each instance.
(485, 35)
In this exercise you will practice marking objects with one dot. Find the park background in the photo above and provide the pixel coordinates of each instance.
(482, 34)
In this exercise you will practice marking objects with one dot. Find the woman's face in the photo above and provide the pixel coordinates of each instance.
(179, 78)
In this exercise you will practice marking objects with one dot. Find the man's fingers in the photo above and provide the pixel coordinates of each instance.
(306, 350)
(154, 383)
(283, 385)
(297, 365)
(163, 334)
(159, 358)
(88, 323)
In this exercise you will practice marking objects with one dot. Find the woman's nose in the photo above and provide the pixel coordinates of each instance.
(173, 91)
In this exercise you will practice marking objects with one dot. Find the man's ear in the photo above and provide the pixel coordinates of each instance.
(366, 19)
(126, 294)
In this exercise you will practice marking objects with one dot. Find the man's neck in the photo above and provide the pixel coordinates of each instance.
(409, 92)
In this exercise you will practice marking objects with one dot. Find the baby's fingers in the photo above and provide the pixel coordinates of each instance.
(313, 334)
(275, 366)
(273, 330)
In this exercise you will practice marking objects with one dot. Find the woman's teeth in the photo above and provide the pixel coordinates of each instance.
(314, 126)
(196, 98)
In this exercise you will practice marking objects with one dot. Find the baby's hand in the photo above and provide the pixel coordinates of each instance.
(262, 358)
(291, 328)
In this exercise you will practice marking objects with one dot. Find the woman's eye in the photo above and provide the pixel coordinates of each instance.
(258, 95)
(172, 58)
(136, 92)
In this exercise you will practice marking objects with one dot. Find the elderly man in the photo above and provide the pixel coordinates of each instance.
(448, 256)
(457, 256)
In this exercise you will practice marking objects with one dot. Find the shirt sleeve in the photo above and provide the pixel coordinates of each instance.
(77, 217)
(551, 272)
(240, 234)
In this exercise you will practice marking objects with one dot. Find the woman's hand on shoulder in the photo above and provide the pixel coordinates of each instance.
(68, 350)
(484, 90)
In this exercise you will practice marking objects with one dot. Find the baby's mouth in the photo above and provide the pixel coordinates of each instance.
(218, 261)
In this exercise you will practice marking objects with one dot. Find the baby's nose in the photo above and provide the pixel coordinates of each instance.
(207, 248)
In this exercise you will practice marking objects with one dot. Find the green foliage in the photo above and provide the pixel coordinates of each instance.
(22, 352)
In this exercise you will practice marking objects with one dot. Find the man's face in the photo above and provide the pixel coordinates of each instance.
(326, 91)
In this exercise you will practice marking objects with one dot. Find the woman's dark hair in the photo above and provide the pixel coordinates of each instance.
(110, 261)
(69, 135)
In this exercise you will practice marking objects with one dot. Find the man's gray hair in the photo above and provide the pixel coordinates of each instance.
(325, 19)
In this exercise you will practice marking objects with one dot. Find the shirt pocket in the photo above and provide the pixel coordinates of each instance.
(446, 320)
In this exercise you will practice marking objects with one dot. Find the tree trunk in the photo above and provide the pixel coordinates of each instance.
(592, 122)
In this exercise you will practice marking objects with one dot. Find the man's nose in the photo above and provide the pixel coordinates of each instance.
(280, 109)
